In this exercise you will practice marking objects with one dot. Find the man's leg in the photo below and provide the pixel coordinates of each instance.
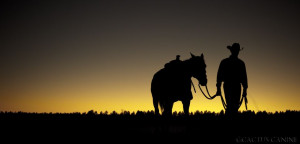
(232, 96)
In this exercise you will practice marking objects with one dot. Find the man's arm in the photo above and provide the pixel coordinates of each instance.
(220, 78)
(244, 80)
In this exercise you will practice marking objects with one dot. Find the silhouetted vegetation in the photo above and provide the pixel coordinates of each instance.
(149, 115)
(203, 126)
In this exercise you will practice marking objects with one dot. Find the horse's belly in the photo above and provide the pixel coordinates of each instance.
(176, 89)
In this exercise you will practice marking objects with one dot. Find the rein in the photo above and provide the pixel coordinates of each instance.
(222, 99)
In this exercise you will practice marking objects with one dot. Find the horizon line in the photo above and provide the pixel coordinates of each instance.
(141, 111)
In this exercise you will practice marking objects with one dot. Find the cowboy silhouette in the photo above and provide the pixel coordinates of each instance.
(232, 71)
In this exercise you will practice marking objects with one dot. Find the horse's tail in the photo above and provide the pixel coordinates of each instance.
(161, 105)
(158, 103)
(158, 93)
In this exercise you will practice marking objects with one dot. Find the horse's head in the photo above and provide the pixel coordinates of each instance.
(198, 68)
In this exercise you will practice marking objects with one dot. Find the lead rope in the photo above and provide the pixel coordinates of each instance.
(193, 87)
(212, 97)
(222, 99)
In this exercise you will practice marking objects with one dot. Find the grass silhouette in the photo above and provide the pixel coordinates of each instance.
(145, 126)
(149, 115)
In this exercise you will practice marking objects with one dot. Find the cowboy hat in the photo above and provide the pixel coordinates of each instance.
(235, 46)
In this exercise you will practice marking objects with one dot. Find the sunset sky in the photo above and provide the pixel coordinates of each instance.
(78, 55)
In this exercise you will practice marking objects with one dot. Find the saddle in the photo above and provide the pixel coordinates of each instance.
(174, 65)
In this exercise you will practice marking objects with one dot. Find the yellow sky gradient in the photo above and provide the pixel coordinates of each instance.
(84, 94)
(101, 55)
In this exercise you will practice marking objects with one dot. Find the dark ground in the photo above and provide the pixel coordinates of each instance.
(145, 127)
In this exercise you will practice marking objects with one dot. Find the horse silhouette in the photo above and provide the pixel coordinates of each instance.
(173, 83)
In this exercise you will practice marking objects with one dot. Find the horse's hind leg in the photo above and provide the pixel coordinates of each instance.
(168, 109)
(155, 104)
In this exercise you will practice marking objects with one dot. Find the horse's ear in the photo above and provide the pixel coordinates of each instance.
(202, 55)
(192, 55)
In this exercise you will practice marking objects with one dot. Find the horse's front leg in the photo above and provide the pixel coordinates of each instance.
(186, 106)
(168, 109)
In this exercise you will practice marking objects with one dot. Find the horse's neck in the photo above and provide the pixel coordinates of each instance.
(182, 68)
(186, 67)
